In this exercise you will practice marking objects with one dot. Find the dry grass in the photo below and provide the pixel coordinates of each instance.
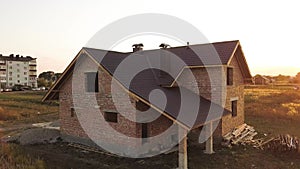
(19, 108)
(11, 157)
(25, 107)
(273, 109)
(6, 115)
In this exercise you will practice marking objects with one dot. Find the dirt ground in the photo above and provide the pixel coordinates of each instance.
(62, 156)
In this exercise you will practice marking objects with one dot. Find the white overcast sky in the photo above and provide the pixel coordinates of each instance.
(55, 30)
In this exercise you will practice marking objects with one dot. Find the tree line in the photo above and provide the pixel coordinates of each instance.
(282, 78)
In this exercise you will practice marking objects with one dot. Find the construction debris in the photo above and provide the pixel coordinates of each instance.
(242, 134)
(282, 143)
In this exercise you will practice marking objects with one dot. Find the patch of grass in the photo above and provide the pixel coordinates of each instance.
(26, 107)
(19, 108)
(12, 157)
(273, 109)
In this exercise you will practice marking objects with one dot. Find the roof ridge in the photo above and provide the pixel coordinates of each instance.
(200, 44)
(106, 50)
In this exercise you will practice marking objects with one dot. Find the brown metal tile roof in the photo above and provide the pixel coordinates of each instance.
(145, 82)
(148, 80)
(205, 54)
(194, 55)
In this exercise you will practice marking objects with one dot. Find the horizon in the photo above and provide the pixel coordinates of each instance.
(57, 30)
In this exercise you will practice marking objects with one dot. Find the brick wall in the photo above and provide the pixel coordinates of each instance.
(236, 91)
(87, 106)
(212, 85)
(205, 81)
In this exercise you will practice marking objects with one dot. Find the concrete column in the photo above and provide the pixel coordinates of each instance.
(209, 142)
(182, 149)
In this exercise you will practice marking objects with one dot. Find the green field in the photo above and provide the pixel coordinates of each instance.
(272, 110)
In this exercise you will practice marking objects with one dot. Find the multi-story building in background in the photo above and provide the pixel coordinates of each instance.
(18, 70)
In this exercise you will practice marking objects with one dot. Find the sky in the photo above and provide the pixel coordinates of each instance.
(55, 31)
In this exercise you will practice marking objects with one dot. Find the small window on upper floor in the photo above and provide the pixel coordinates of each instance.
(91, 84)
(111, 117)
(230, 76)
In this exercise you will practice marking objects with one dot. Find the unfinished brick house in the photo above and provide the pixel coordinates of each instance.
(261, 80)
(95, 70)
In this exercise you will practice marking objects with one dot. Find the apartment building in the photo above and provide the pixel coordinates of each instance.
(17, 70)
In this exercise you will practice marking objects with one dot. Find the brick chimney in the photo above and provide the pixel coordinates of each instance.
(137, 47)
(164, 62)
(164, 46)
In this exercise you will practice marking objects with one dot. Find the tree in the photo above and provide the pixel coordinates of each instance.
(42, 82)
(46, 75)
(46, 79)
(297, 78)
(57, 76)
